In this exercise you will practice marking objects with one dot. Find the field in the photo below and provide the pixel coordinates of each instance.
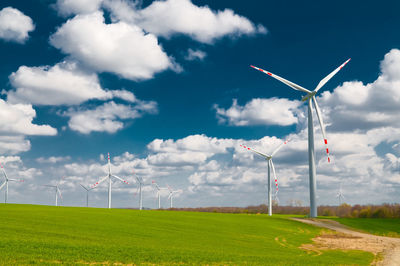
(376, 226)
(48, 235)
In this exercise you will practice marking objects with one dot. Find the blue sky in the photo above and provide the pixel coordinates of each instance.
(166, 88)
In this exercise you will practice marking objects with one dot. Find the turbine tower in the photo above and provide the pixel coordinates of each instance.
(109, 176)
(87, 193)
(310, 98)
(158, 192)
(171, 194)
(57, 190)
(340, 195)
(5, 183)
(139, 180)
(270, 165)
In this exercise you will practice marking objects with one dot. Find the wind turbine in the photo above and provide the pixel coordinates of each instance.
(339, 195)
(158, 192)
(109, 176)
(87, 193)
(57, 190)
(310, 98)
(140, 182)
(171, 194)
(270, 165)
(6, 182)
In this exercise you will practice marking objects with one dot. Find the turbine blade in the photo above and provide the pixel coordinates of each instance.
(259, 153)
(4, 171)
(59, 181)
(154, 183)
(276, 180)
(321, 123)
(287, 82)
(59, 193)
(84, 187)
(98, 182)
(2, 185)
(16, 180)
(327, 78)
(126, 182)
(279, 147)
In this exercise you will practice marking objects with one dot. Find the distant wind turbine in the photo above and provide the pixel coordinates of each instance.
(140, 182)
(171, 194)
(57, 190)
(270, 165)
(310, 98)
(5, 183)
(87, 193)
(158, 192)
(339, 195)
(109, 176)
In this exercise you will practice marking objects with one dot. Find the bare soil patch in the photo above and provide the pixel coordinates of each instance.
(385, 249)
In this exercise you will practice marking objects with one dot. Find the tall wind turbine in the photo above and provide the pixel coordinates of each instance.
(109, 176)
(171, 194)
(139, 180)
(270, 165)
(310, 98)
(6, 182)
(158, 192)
(87, 193)
(339, 195)
(57, 190)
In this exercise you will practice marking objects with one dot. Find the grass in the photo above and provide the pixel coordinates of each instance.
(376, 226)
(32, 234)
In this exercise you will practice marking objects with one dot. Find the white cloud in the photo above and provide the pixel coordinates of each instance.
(357, 106)
(195, 55)
(258, 111)
(107, 117)
(63, 83)
(119, 48)
(16, 124)
(171, 17)
(53, 159)
(72, 7)
(14, 25)
(17, 119)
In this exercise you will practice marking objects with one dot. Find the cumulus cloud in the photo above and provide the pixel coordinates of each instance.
(63, 83)
(119, 48)
(14, 25)
(195, 55)
(53, 159)
(357, 106)
(273, 111)
(107, 117)
(171, 17)
(17, 119)
(72, 7)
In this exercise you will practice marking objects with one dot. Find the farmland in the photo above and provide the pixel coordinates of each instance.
(48, 235)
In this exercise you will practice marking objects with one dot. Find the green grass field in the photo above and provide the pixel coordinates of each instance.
(376, 226)
(48, 235)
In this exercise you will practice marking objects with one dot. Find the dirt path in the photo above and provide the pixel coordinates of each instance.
(345, 238)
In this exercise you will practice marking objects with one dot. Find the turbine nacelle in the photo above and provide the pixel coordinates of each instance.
(308, 96)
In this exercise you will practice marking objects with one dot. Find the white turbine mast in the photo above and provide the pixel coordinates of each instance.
(158, 192)
(109, 176)
(339, 195)
(270, 165)
(57, 190)
(5, 183)
(87, 193)
(310, 98)
(140, 182)
(171, 194)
